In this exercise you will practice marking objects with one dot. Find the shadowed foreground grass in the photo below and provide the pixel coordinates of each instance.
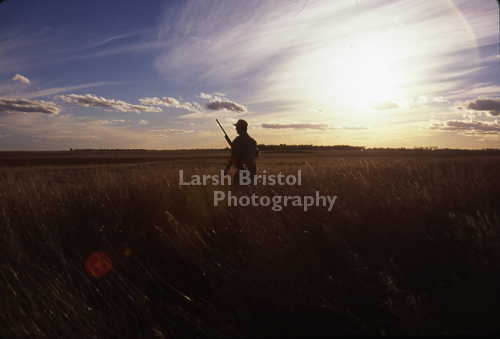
(412, 246)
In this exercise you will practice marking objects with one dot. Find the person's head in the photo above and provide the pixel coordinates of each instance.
(241, 126)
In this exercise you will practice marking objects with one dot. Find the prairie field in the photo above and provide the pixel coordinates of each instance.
(410, 247)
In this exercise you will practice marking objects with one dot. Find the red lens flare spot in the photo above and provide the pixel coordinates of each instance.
(98, 264)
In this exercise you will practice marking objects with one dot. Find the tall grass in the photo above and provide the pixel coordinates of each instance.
(411, 246)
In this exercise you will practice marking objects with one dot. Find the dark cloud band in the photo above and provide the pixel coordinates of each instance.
(489, 105)
(466, 127)
(28, 106)
(91, 100)
(218, 105)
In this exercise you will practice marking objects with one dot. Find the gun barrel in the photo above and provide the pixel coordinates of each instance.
(221, 126)
(225, 134)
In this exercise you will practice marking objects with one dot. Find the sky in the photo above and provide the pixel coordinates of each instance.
(156, 74)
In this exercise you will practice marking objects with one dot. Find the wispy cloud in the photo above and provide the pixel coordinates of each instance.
(297, 126)
(424, 99)
(120, 37)
(91, 100)
(316, 110)
(70, 136)
(356, 127)
(110, 121)
(335, 48)
(465, 127)
(28, 106)
(383, 105)
(307, 126)
(26, 45)
(212, 40)
(170, 131)
(139, 47)
(54, 90)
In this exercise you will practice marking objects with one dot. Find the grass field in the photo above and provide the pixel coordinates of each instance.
(411, 246)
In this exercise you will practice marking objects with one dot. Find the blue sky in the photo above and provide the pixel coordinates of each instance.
(156, 74)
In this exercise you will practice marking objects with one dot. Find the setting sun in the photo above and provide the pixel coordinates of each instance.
(368, 74)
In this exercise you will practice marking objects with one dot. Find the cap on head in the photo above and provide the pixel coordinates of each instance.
(241, 123)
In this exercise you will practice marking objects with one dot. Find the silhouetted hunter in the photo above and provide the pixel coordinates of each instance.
(244, 151)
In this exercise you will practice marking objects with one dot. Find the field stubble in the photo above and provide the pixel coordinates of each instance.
(411, 246)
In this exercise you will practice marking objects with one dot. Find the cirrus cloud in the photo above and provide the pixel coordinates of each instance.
(296, 126)
(307, 126)
(28, 106)
(424, 99)
(356, 127)
(169, 131)
(91, 100)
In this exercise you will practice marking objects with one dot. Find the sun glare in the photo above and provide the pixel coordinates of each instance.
(368, 73)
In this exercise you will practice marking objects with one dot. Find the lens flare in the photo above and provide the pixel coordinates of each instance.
(98, 264)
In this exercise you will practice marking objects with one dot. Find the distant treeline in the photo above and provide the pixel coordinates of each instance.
(285, 147)
(308, 147)
(107, 149)
(430, 148)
